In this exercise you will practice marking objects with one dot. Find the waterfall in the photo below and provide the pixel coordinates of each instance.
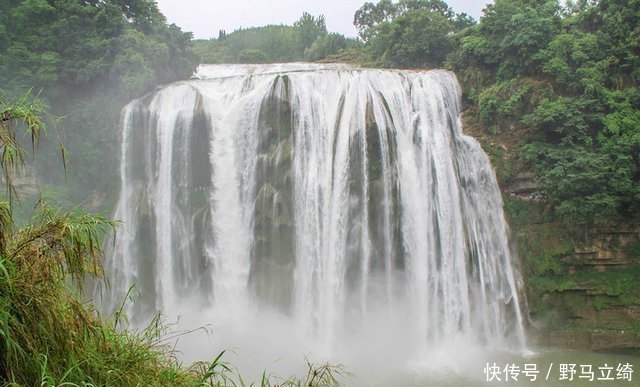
(346, 200)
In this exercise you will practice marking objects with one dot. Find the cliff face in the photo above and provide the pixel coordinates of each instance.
(586, 295)
(583, 289)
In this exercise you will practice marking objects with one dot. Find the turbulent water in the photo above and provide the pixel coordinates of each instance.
(333, 209)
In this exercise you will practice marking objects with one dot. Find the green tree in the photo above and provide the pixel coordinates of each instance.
(409, 33)
(252, 56)
(505, 43)
(327, 45)
(309, 28)
(372, 15)
(417, 38)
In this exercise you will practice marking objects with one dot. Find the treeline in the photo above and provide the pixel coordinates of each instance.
(86, 60)
(306, 40)
(561, 79)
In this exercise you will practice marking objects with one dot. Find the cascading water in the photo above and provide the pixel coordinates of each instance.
(346, 201)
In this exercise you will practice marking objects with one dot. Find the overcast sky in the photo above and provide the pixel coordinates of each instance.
(206, 17)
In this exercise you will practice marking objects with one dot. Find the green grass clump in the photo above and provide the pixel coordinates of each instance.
(49, 337)
(219, 373)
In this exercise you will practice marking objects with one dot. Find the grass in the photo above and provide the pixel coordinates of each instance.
(47, 336)
(220, 373)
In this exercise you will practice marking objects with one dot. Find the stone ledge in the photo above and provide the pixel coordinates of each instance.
(595, 340)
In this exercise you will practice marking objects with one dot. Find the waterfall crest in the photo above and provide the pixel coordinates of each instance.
(331, 195)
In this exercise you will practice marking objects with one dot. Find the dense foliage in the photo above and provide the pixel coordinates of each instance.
(570, 76)
(308, 39)
(88, 58)
(409, 33)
